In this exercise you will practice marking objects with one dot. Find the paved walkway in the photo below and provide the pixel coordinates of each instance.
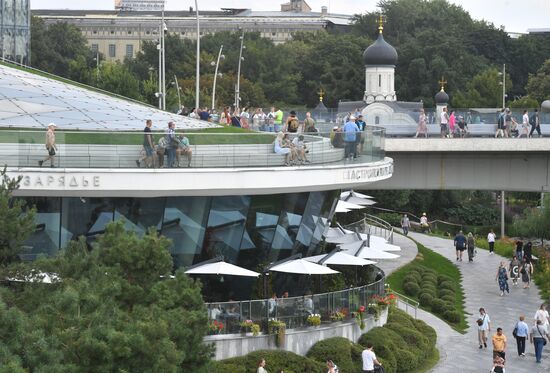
(460, 352)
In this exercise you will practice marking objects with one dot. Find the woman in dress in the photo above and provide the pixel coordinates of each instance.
(452, 122)
(225, 118)
(471, 244)
(526, 272)
(502, 278)
(514, 270)
(245, 116)
(261, 365)
(422, 128)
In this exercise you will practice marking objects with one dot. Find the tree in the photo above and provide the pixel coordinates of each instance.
(16, 221)
(115, 309)
(115, 77)
(538, 86)
(485, 90)
(535, 221)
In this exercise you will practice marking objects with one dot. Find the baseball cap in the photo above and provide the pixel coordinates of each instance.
(52, 124)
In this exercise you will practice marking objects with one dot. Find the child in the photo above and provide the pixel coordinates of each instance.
(498, 365)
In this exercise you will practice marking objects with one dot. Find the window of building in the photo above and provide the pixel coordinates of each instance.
(129, 50)
(377, 120)
(95, 48)
(147, 32)
(379, 80)
(112, 32)
(112, 50)
(94, 32)
(129, 32)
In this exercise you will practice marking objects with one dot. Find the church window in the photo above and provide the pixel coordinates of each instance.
(379, 80)
(377, 120)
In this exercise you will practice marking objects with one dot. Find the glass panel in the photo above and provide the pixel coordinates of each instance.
(140, 213)
(45, 239)
(311, 215)
(184, 222)
(293, 207)
(84, 217)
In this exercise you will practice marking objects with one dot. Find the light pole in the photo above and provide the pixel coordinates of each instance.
(97, 65)
(502, 202)
(159, 48)
(238, 86)
(163, 30)
(503, 84)
(178, 90)
(220, 56)
(198, 67)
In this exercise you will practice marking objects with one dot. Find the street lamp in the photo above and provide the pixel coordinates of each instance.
(503, 84)
(217, 64)
(197, 76)
(96, 59)
(238, 86)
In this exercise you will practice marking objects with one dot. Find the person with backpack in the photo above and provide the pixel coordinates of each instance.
(292, 123)
(534, 121)
(500, 125)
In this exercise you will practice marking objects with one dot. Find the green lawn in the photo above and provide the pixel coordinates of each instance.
(441, 265)
(504, 248)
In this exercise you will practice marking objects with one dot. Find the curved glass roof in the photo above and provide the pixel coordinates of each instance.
(29, 100)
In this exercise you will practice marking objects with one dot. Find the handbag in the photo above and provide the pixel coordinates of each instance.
(543, 339)
(515, 331)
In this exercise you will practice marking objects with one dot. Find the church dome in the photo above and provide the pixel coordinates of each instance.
(441, 97)
(380, 53)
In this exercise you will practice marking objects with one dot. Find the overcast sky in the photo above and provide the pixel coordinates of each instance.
(515, 15)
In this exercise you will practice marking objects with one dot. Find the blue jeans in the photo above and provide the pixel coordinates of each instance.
(350, 149)
(539, 344)
(277, 127)
(171, 156)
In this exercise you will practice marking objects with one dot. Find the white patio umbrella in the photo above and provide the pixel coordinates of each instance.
(380, 245)
(341, 209)
(354, 194)
(366, 252)
(345, 238)
(303, 267)
(340, 258)
(359, 201)
(349, 206)
(221, 268)
(38, 277)
(336, 232)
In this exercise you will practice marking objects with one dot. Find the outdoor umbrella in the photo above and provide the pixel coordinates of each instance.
(302, 266)
(349, 206)
(336, 232)
(345, 238)
(341, 209)
(221, 268)
(339, 258)
(347, 193)
(41, 277)
(380, 245)
(359, 201)
(371, 253)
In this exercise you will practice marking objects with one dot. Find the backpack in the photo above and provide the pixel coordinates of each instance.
(533, 120)
(293, 124)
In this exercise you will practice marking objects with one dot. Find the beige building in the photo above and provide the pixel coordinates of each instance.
(120, 34)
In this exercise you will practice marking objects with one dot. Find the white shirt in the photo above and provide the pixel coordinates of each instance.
(491, 237)
(525, 119)
(368, 359)
(486, 321)
(444, 117)
(542, 315)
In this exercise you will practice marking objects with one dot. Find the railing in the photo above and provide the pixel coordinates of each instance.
(371, 224)
(293, 311)
(80, 149)
(407, 304)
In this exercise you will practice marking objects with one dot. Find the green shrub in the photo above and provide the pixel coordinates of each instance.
(426, 331)
(275, 360)
(400, 318)
(386, 343)
(430, 291)
(338, 349)
(411, 288)
(411, 278)
(448, 299)
(425, 299)
(438, 306)
(444, 292)
(447, 285)
(428, 285)
(443, 278)
(417, 343)
(221, 367)
(452, 316)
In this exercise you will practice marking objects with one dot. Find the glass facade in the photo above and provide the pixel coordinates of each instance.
(15, 30)
(249, 231)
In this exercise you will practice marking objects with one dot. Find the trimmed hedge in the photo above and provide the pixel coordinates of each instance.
(411, 288)
(447, 285)
(452, 316)
(445, 292)
(275, 360)
(339, 350)
(426, 299)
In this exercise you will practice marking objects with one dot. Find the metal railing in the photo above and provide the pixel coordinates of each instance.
(371, 224)
(100, 149)
(406, 304)
(293, 311)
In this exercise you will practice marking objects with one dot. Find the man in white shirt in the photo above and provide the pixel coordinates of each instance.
(444, 123)
(542, 315)
(369, 359)
(491, 237)
(525, 125)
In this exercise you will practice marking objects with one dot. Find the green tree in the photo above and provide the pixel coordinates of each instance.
(54, 47)
(484, 90)
(535, 222)
(16, 220)
(116, 78)
(115, 309)
(538, 86)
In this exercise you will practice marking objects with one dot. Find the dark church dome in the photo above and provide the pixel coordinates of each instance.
(441, 97)
(380, 53)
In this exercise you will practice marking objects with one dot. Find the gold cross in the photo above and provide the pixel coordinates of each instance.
(380, 23)
(321, 93)
(442, 83)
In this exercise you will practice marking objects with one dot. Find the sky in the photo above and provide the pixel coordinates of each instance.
(514, 15)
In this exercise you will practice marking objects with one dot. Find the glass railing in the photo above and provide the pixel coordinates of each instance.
(80, 149)
(293, 311)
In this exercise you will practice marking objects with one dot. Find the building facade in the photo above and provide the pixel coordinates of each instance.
(15, 21)
(120, 34)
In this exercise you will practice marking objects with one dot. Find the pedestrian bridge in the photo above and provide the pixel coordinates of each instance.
(468, 163)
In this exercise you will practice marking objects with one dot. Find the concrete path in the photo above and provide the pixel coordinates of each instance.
(460, 353)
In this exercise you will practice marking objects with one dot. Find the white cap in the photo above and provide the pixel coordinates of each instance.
(352, 117)
(52, 124)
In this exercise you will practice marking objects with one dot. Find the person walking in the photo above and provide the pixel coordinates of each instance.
(491, 237)
(528, 251)
(483, 327)
(502, 278)
(452, 123)
(332, 368)
(261, 365)
(500, 125)
(521, 332)
(171, 144)
(542, 315)
(513, 268)
(498, 365)
(422, 127)
(471, 243)
(148, 146)
(51, 146)
(350, 138)
(444, 121)
(535, 123)
(405, 224)
(460, 245)
(369, 358)
(526, 272)
(499, 344)
(519, 250)
(424, 225)
(524, 125)
(538, 337)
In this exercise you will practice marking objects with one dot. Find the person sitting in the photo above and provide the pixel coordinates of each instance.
(272, 305)
(161, 150)
(301, 149)
(184, 148)
(337, 137)
(215, 312)
(280, 146)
